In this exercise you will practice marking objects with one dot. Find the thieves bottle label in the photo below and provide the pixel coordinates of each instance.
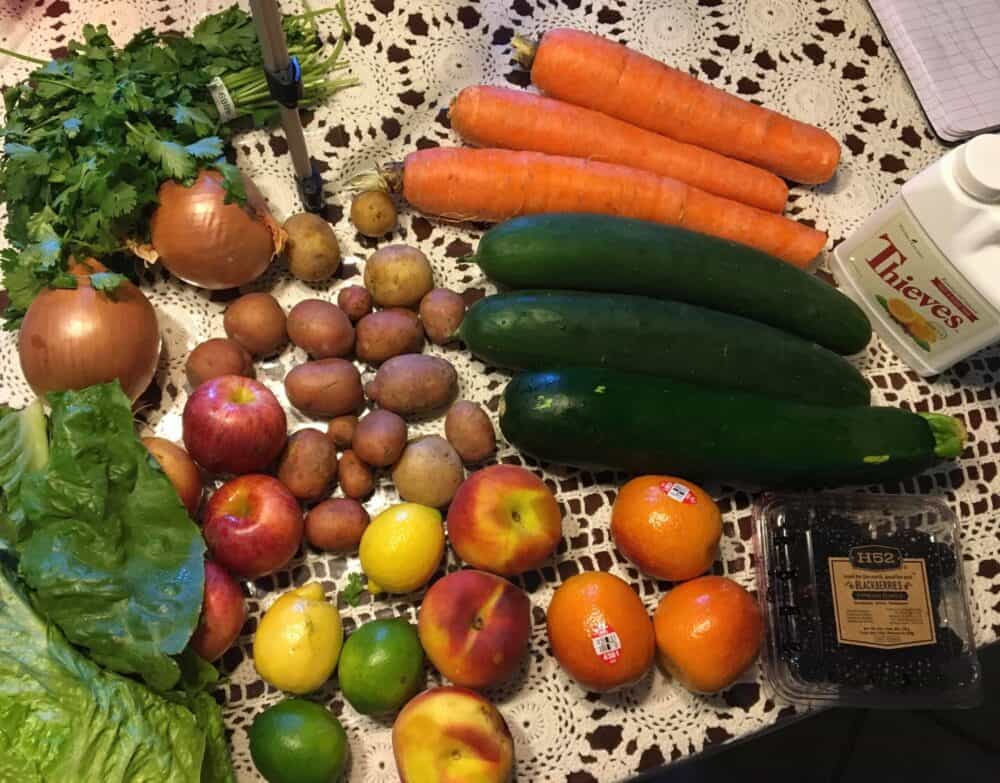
(927, 301)
(881, 599)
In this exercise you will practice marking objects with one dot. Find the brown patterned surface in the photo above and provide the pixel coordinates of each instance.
(824, 62)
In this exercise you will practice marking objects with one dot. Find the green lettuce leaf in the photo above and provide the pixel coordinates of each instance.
(106, 545)
(63, 718)
(24, 446)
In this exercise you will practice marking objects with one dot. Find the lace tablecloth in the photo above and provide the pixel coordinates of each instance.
(823, 62)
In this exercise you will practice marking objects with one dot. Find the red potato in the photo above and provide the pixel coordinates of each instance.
(355, 301)
(388, 333)
(413, 384)
(223, 614)
(216, 357)
(180, 469)
(356, 478)
(325, 388)
(341, 431)
(336, 525)
(470, 431)
(321, 329)
(258, 323)
(441, 312)
(308, 465)
(380, 438)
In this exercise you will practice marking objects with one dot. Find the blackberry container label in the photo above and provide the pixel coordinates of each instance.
(881, 600)
(901, 271)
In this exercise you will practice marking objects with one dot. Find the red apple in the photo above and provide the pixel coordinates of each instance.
(504, 519)
(252, 525)
(451, 734)
(234, 424)
(180, 469)
(474, 627)
(223, 613)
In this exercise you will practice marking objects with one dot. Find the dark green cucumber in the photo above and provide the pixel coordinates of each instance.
(604, 253)
(528, 330)
(600, 418)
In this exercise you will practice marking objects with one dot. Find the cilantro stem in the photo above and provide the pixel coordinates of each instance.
(26, 58)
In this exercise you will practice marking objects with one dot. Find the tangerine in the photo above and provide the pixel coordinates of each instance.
(708, 631)
(668, 527)
(599, 631)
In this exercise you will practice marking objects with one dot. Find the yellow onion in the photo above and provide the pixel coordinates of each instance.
(209, 243)
(75, 337)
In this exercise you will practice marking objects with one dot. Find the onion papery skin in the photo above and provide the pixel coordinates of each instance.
(72, 338)
(211, 244)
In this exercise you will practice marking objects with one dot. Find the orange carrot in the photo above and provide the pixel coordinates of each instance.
(494, 185)
(514, 119)
(599, 74)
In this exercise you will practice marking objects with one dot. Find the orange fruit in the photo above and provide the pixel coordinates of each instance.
(901, 311)
(668, 527)
(708, 631)
(599, 631)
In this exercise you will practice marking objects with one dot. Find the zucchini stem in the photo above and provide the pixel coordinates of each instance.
(949, 434)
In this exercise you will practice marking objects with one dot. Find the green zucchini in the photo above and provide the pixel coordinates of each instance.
(605, 253)
(599, 418)
(528, 330)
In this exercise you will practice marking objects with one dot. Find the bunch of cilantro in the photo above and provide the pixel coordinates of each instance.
(89, 138)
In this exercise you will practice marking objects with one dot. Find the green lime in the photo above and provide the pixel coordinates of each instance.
(381, 666)
(298, 741)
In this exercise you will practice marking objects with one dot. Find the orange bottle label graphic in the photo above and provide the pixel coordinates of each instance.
(926, 300)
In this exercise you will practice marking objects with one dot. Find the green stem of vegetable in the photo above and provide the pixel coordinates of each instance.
(949, 434)
(24, 57)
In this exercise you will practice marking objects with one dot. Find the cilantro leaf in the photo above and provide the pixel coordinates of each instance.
(106, 282)
(355, 587)
(192, 116)
(120, 200)
(175, 161)
(205, 149)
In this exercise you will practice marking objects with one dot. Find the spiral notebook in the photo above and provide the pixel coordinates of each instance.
(950, 50)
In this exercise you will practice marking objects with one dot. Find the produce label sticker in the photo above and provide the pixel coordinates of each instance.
(926, 300)
(607, 645)
(679, 492)
(881, 599)
(223, 101)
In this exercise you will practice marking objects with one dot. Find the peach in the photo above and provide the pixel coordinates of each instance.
(505, 520)
(223, 613)
(474, 627)
(452, 734)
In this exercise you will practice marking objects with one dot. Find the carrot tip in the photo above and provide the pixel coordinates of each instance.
(524, 50)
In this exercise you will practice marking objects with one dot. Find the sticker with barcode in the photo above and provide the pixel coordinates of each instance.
(679, 492)
(223, 101)
(607, 645)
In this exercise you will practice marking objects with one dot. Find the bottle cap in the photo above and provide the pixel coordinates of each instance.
(977, 168)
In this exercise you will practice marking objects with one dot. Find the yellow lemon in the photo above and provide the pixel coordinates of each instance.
(298, 640)
(401, 548)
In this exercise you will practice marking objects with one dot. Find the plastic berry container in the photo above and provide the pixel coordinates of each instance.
(864, 602)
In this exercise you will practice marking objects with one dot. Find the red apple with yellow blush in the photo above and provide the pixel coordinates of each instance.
(474, 627)
(503, 519)
(252, 525)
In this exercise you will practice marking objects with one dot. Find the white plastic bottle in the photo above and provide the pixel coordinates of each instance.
(926, 266)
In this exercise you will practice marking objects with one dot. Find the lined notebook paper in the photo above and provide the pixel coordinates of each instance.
(950, 50)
